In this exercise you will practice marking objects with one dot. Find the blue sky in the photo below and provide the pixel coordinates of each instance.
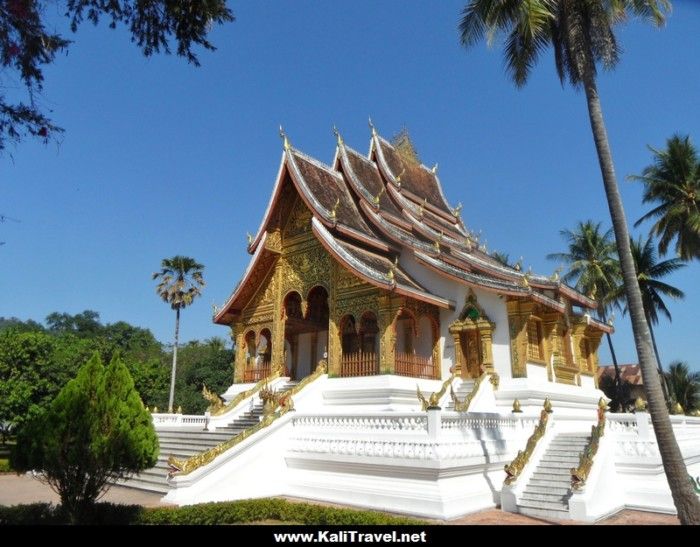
(161, 158)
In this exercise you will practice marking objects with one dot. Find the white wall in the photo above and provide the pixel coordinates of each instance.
(493, 305)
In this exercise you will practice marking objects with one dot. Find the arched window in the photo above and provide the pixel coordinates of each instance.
(318, 306)
(348, 331)
(264, 349)
(405, 332)
(368, 332)
(250, 347)
(292, 306)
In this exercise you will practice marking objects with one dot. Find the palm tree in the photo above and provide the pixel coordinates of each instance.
(581, 32)
(649, 273)
(180, 282)
(684, 386)
(503, 258)
(672, 182)
(594, 270)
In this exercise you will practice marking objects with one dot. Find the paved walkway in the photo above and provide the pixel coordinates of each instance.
(20, 489)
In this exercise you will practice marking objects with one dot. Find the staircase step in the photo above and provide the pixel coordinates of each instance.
(555, 488)
(537, 504)
(547, 514)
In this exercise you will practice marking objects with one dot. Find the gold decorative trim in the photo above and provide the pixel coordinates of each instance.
(463, 406)
(514, 468)
(244, 395)
(284, 404)
(579, 474)
(434, 400)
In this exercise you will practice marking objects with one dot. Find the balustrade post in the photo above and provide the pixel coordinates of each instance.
(207, 415)
(644, 426)
(434, 422)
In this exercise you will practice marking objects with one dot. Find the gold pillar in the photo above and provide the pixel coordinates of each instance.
(387, 340)
(518, 314)
(238, 337)
(278, 324)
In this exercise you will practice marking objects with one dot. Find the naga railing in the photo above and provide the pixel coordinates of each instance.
(463, 406)
(282, 403)
(514, 468)
(579, 474)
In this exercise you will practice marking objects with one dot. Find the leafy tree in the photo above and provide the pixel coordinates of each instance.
(95, 432)
(672, 183)
(18, 325)
(180, 282)
(582, 35)
(27, 45)
(649, 273)
(593, 269)
(683, 386)
(202, 363)
(86, 323)
(36, 364)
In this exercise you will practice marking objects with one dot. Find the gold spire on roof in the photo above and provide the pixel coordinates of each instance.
(285, 140)
(422, 207)
(378, 196)
(338, 137)
(457, 210)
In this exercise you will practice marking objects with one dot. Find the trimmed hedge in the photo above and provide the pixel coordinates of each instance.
(208, 513)
(5, 465)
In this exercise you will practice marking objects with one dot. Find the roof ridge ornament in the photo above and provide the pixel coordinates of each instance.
(249, 237)
(390, 274)
(338, 137)
(457, 211)
(398, 178)
(435, 168)
(555, 275)
(371, 126)
(376, 198)
(284, 138)
(334, 211)
(422, 207)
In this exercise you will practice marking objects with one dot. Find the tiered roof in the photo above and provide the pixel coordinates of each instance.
(368, 211)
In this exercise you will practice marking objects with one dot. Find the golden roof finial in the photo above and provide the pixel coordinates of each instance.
(435, 168)
(378, 196)
(518, 265)
(457, 210)
(390, 274)
(371, 126)
(516, 406)
(285, 140)
(338, 137)
(525, 281)
(436, 245)
(249, 237)
(421, 210)
(334, 211)
(398, 179)
(555, 275)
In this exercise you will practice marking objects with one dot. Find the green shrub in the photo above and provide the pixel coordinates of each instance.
(207, 513)
(5, 465)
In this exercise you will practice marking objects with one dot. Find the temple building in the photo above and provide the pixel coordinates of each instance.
(383, 359)
(365, 264)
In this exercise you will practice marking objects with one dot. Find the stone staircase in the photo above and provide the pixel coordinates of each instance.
(462, 388)
(547, 493)
(184, 443)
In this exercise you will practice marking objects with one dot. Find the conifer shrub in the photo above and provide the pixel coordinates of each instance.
(96, 431)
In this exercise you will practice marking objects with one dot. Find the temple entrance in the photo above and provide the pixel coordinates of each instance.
(258, 356)
(472, 334)
(305, 331)
(470, 367)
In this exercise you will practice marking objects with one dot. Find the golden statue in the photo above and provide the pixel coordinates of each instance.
(215, 402)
